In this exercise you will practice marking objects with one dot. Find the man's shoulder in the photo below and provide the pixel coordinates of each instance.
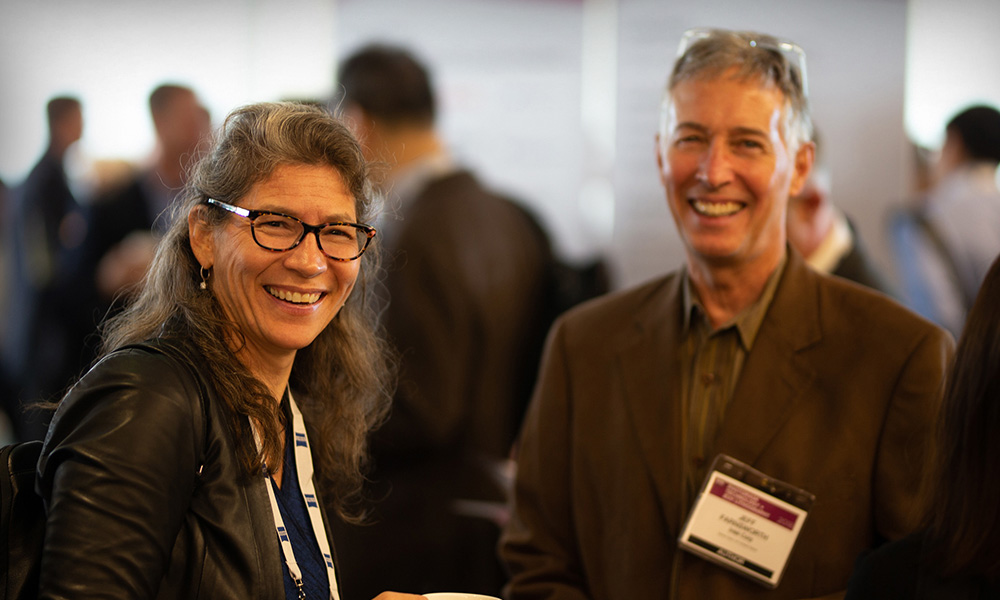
(460, 194)
(853, 309)
(464, 209)
(457, 179)
(842, 296)
(47, 174)
(452, 187)
(630, 307)
(46, 168)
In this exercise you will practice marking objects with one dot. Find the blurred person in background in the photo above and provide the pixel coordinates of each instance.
(129, 213)
(42, 350)
(8, 399)
(125, 221)
(943, 245)
(236, 389)
(957, 553)
(824, 235)
(465, 276)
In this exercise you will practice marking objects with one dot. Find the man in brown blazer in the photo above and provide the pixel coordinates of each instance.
(745, 351)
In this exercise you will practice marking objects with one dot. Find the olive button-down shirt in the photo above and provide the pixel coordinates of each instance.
(711, 364)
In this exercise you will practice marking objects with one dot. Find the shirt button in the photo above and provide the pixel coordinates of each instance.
(698, 462)
(708, 378)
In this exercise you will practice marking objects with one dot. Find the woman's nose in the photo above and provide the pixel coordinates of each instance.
(308, 258)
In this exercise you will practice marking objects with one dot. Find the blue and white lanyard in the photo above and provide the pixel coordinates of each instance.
(304, 466)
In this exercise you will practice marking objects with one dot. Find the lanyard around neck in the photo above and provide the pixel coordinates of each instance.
(304, 466)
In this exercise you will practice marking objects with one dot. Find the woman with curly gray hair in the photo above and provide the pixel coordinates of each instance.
(240, 382)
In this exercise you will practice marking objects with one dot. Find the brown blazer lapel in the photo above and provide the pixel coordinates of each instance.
(650, 369)
(775, 375)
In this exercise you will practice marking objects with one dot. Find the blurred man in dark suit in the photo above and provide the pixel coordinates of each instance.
(46, 325)
(466, 272)
(125, 222)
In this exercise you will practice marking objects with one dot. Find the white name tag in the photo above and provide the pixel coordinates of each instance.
(746, 521)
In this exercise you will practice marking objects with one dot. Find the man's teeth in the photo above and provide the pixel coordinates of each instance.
(716, 209)
(294, 297)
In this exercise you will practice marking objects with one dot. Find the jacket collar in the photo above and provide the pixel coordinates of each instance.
(776, 372)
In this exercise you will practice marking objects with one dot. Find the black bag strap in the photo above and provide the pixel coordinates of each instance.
(181, 356)
(23, 521)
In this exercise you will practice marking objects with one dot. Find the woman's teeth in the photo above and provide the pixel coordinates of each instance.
(716, 209)
(294, 297)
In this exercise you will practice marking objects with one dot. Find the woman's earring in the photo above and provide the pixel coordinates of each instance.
(205, 274)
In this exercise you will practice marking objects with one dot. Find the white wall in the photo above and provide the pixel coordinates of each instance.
(953, 61)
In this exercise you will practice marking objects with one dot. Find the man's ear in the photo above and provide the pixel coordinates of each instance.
(660, 158)
(202, 238)
(803, 165)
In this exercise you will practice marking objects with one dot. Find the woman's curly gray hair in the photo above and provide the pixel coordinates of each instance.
(343, 379)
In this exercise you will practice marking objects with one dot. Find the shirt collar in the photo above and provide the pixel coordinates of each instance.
(748, 322)
(835, 246)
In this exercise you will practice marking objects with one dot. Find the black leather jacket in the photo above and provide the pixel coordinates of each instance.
(143, 490)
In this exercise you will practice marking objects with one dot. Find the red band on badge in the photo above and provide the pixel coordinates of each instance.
(753, 503)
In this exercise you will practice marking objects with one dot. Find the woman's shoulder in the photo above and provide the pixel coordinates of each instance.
(153, 381)
(143, 399)
(165, 362)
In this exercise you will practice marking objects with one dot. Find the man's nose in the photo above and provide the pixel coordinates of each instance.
(715, 169)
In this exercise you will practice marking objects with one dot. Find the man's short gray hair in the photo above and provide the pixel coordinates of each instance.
(708, 53)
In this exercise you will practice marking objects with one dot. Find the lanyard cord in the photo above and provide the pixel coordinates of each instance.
(304, 466)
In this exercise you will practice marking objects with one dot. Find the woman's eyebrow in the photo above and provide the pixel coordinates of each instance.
(330, 218)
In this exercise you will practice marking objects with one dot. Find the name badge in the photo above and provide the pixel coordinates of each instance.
(746, 521)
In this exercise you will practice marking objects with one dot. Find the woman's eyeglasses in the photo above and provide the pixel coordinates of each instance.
(340, 241)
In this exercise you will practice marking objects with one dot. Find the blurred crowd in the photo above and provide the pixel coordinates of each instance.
(72, 252)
